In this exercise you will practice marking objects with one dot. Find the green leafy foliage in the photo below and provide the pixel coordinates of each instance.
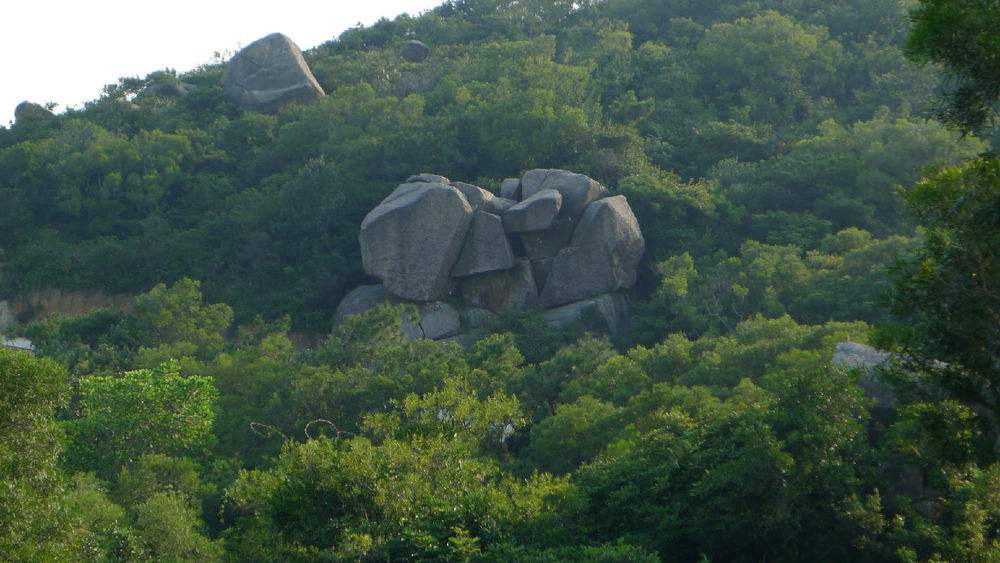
(768, 149)
(140, 412)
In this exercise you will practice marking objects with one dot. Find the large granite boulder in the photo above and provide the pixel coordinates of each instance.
(364, 298)
(268, 74)
(486, 247)
(415, 51)
(851, 355)
(168, 89)
(602, 257)
(498, 205)
(511, 189)
(505, 290)
(534, 213)
(476, 196)
(475, 317)
(439, 320)
(360, 300)
(413, 238)
(428, 179)
(578, 191)
(611, 309)
(867, 360)
(435, 320)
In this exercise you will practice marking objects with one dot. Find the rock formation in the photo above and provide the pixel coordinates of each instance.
(553, 240)
(168, 89)
(415, 51)
(268, 74)
(868, 360)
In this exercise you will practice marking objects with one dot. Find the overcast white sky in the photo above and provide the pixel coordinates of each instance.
(65, 51)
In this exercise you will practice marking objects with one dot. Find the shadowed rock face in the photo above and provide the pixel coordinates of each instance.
(506, 290)
(415, 51)
(511, 189)
(268, 74)
(359, 300)
(486, 248)
(168, 89)
(577, 191)
(413, 238)
(610, 308)
(602, 257)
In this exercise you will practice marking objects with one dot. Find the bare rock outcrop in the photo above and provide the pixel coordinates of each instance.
(415, 51)
(602, 257)
(413, 238)
(486, 248)
(268, 74)
(553, 240)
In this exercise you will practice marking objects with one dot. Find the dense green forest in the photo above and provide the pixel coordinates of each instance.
(805, 173)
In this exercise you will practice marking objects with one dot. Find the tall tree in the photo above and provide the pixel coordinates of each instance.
(964, 36)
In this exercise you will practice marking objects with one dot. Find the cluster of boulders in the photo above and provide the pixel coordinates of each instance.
(552, 240)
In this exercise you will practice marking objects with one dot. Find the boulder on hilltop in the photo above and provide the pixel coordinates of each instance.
(268, 74)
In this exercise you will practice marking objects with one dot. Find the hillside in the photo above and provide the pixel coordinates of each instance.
(797, 199)
(727, 124)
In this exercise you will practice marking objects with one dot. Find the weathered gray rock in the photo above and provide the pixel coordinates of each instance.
(578, 191)
(541, 269)
(434, 320)
(511, 189)
(497, 205)
(477, 197)
(465, 340)
(486, 247)
(428, 179)
(577, 273)
(404, 189)
(364, 298)
(505, 290)
(611, 309)
(851, 355)
(415, 51)
(533, 214)
(268, 74)
(413, 238)
(476, 318)
(603, 255)
(439, 320)
(545, 244)
(360, 300)
(168, 89)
